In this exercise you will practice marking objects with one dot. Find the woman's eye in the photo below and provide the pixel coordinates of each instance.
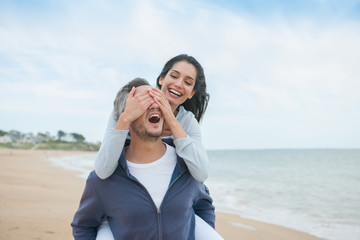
(187, 83)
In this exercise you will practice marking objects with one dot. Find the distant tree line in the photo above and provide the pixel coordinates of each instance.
(62, 140)
(76, 136)
(17, 136)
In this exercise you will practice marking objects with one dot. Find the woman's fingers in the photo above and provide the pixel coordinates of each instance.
(142, 100)
(140, 97)
(137, 102)
(160, 98)
(132, 92)
(164, 105)
(147, 103)
(156, 93)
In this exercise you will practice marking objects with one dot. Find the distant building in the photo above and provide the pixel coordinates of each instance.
(15, 136)
(27, 138)
(5, 139)
(44, 137)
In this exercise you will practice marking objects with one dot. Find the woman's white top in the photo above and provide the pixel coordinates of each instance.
(189, 148)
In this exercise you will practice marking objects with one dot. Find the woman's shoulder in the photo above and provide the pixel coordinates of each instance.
(186, 118)
(184, 114)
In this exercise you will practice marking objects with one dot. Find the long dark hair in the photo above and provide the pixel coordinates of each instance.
(199, 102)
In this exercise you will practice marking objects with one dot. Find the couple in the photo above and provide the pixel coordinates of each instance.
(151, 191)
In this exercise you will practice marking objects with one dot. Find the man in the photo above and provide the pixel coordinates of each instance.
(151, 195)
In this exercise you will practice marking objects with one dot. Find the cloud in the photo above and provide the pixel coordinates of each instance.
(267, 76)
(288, 79)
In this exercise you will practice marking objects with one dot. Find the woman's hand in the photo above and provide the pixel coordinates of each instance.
(161, 100)
(169, 115)
(137, 102)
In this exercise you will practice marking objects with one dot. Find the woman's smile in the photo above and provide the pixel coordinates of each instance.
(175, 92)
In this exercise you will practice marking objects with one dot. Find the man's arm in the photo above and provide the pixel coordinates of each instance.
(90, 213)
(203, 206)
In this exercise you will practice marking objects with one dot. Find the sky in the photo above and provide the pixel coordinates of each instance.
(280, 74)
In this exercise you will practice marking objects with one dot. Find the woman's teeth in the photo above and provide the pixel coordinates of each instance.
(175, 92)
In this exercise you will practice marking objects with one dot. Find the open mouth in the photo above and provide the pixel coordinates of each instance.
(154, 118)
(176, 93)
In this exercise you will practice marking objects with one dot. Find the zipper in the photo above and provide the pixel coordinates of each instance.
(134, 179)
(159, 223)
(159, 209)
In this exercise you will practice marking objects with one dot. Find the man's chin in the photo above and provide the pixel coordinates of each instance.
(151, 136)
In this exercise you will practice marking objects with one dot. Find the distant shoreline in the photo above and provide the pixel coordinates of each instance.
(54, 145)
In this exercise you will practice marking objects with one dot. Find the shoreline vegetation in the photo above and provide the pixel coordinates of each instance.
(38, 201)
(55, 145)
(63, 141)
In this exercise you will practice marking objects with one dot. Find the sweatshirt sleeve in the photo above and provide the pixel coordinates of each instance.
(191, 148)
(110, 150)
(89, 216)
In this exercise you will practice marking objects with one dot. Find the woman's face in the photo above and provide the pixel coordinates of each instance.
(178, 84)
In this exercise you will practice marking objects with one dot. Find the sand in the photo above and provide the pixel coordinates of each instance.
(38, 201)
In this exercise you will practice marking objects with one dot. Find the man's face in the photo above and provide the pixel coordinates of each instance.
(149, 126)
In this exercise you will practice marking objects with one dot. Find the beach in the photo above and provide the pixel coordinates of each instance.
(38, 201)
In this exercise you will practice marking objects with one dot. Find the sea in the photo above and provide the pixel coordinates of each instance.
(316, 191)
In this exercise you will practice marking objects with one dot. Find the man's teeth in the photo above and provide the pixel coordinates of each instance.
(154, 118)
(155, 115)
(175, 92)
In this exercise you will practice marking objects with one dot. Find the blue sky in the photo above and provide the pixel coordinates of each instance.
(281, 74)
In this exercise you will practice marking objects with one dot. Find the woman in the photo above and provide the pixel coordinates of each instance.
(183, 101)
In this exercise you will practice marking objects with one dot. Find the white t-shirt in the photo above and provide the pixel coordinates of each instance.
(156, 176)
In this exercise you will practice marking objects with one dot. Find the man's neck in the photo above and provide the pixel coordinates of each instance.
(144, 152)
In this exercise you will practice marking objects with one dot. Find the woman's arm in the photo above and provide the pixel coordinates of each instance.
(117, 131)
(187, 137)
(191, 148)
(110, 150)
